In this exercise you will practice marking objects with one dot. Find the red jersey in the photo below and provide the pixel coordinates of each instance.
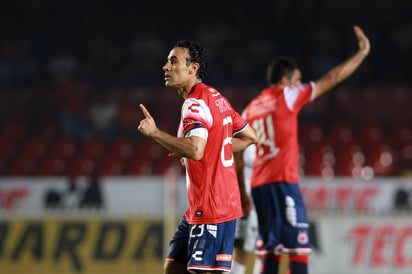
(212, 186)
(274, 116)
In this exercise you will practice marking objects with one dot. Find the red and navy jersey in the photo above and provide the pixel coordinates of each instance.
(212, 186)
(274, 116)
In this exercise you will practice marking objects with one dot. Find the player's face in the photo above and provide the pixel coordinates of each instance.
(177, 72)
(296, 79)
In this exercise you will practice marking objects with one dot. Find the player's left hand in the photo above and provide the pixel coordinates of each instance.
(363, 41)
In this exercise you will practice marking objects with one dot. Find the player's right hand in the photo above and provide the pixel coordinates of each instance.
(147, 126)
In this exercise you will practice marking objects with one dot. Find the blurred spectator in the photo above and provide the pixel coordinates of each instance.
(125, 124)
(63, 67)
(73, 97)
(17, 67)
(145, 58)
(103, 112)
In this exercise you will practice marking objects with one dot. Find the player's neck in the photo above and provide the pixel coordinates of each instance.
(187, 89)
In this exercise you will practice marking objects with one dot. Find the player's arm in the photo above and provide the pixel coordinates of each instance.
(191, 147)
(243, 139)
(347, 68)
(244, 196)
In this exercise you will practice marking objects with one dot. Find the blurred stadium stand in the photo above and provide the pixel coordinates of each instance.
(72, 75)
(333, 143)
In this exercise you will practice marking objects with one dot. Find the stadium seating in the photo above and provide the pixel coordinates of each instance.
(339, 152)
(57, 157)
(349, 158)
(341, 147)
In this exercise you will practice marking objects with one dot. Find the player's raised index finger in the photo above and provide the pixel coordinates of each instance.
(145, 111)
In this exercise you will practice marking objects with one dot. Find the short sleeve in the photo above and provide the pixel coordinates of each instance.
(239, 123)
(297, 97)
(195, 115)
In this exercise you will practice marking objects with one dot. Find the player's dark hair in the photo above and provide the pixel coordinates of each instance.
(197, 55)
(282, 66)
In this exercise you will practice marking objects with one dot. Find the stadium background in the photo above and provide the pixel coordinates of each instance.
(73, 167)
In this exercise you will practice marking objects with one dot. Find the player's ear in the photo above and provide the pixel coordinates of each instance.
(194, 67)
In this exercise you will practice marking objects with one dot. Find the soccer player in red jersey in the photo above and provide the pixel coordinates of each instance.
(210, 131)
(282, 219)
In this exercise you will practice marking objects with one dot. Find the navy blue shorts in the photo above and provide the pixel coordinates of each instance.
(203, 246)
(283, 224)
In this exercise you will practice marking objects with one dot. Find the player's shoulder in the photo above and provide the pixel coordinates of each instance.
(203, 92)
(262, 103)
(204, 89)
